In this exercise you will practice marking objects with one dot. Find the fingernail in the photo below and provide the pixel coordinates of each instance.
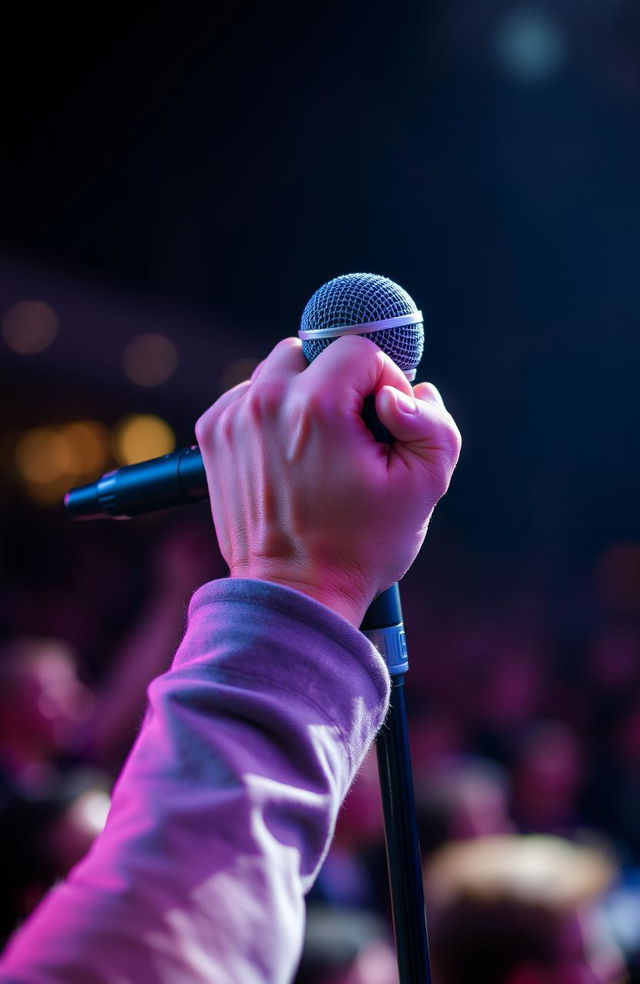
(406, 403)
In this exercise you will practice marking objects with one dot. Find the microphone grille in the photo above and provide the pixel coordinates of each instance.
(359, 298)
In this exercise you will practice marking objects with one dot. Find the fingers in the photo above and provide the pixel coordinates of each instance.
(285, 359)
(350, 365)
(347, 371)
(204, 423)
(231, 395)
(428, 392)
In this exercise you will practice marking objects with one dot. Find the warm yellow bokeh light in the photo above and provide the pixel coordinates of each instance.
(89, 443)
(48, 493)
(51, 459)
(150, 360)
(142, 436)
(29, 327)
(43, 455)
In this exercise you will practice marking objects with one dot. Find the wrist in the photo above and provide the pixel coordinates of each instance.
(342, 600)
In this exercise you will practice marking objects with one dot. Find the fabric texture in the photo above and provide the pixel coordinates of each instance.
(225, 809)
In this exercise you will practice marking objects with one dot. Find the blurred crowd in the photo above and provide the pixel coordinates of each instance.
(525, 730)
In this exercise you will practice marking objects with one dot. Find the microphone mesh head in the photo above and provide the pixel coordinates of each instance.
(358, 298)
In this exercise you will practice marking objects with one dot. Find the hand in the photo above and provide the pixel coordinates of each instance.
(301, 492)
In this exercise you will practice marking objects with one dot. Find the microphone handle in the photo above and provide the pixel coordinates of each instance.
(383, 625)
(172, 480)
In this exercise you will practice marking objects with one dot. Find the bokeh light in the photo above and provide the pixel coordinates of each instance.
(149, 360)
(44, 461)
(529, 45)
(142, 436)
(236, 372)
(29, 327)
(89, 811)
(90, 446)
(43, 455)
(49, 459)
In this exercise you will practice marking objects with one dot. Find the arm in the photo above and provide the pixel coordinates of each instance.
(226, 806)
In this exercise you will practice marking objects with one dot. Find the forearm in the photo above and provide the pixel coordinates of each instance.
(226, 806)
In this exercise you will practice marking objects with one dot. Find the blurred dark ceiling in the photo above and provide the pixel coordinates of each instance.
(228, 159)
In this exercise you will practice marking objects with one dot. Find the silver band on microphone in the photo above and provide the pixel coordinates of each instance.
(368, 328)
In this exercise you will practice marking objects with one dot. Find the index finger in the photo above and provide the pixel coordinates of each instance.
(352, 366)
(285, 358)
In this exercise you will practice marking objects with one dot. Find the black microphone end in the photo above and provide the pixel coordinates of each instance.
(83, 502)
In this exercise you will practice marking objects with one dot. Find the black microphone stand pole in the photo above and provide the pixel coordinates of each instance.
(383, 627)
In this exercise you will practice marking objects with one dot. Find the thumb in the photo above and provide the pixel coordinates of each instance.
(419, 421)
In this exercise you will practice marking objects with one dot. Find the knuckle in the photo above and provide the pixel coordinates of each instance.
(280, 349)
(288, 343)
(226, 424)
(202, 428)
(213, 424)
(317, 395)
(257, 371)
(320, 403)
(266, 398)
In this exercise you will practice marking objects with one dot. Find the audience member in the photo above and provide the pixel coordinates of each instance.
(520, 910)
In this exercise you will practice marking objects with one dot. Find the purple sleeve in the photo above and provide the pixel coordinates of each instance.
(226, 806)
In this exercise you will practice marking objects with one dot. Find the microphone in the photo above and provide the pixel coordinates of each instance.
(354, 304)
(160, 483)
(369, 305)
(374, 307)
(377, 308)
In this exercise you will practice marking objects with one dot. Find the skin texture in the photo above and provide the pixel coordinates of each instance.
(315, 502)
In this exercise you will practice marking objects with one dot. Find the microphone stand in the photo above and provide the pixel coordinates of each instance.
(383, 627)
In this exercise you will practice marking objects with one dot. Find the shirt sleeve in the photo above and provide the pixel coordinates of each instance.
(226, 806)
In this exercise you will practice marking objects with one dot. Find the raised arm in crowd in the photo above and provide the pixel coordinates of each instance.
(225, 808)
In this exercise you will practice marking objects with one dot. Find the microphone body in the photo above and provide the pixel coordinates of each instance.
(171, 480)
(377, 308)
